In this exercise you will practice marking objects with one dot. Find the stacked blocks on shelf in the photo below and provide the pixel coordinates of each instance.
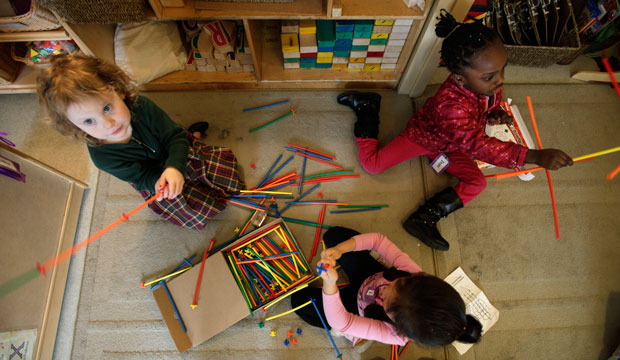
(354, 45)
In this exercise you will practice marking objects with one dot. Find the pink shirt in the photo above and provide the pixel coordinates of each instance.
(358, 326)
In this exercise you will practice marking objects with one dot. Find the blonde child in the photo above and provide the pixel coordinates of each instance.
(130, 137)
(392, 305)
(449, 128)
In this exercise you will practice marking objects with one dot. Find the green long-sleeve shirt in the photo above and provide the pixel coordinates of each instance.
(156, 143)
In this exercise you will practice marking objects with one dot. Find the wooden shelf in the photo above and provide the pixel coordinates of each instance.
(296, 10)
(26, 82)
(58, 34)
(186, 79)
(379, 9)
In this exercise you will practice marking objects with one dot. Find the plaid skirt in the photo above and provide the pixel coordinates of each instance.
(211, 175)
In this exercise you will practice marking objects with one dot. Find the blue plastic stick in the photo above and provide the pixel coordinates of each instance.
(271, 168)
(303, 171)
(325, 326)
(354, 210)
(175, 306)
(301, 197)
(265, 106)
(309, 153)
(278, 169)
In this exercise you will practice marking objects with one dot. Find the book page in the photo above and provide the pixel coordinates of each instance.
(476, 304)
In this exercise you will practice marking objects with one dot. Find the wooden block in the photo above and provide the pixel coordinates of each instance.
(344, 35)
(245, 59)
(384, 22)
(411, 3)
(395, 42)
(190, 64)
(379, 35)
(220, 68)
(373, 60)
(403, 22)
(289, 26)
(389, 60)
(219, 56)
(344, 25)
(323, 65)
(357, 60)
(372, 67)
(325, 34)
(339, 66)
(359, 54)
(219, 37)
(355, 65)
(376, 48)
(340, 60)
(359, 48)
(325, 55)
(307, 26)
(361, 42)
(290, 43)
(378, 41)
(362, 34)
(290, 60)
(307, 42)
(398, 36)
(324, 60)
(391, 55)
(307, 55)
(388, 66)
(342, 53)
(375, 54)
(401, 28)
(291, 65)
(306, 65)
(172, 3)
(393, 49)
(291, 55)
(382, 29)
(204, 45)
(363, 25)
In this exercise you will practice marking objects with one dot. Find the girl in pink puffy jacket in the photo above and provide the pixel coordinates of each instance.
(449, 128)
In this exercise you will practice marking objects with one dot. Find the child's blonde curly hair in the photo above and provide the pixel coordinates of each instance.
(74, 78)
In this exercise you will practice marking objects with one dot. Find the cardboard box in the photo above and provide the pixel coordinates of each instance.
(218, 291)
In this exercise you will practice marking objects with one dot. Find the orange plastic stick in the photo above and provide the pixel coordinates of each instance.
(519, 172)
(612, 174)
(202, 267)
(319, 160)
(55, 260)
(555, 210)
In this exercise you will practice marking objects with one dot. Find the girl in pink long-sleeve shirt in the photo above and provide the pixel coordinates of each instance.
(391, 305)
(450, 127)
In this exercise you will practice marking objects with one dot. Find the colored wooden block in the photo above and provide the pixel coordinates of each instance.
(393, 49)
(389, 60)
(291, 55)
(379, 35)
(320, 65)
(401, 28)
(289, 26)
(361, 41)
(324, 60)
(307, 26)
(378, 41)
(359, 48)
(372, 67)
(307, 43)
(291, 65)
(342, 53)
(344, 35)
(398, 36)
(339, 66)
(385, 66)
(219, 37)
(344, 25)
(340, 60)
(373, 60)
(358, 66)
(395, 42)
(376, 48)
(391, 55)
(306, 65)
(342, 48)
(325, 49)
(382, 29)
(325, 34)
(190, 63)
(357, 60)
(307, 60)
(403, 22)
(324, 55)
(290, 43)
(363, 25)
(359, 54)
(384, 22)
(344, 42)
(361, 35)
(375, 54)
(307, 55)
(290, 60)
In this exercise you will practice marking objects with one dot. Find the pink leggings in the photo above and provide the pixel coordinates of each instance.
(401, 148)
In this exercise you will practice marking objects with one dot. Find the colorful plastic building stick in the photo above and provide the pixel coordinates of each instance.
(265, 106)
(292, 112)
(612, 77)
(325, 326)
(553, 203)
(174, 305)
(321, 268)
(354, 210)
(317, 234)
(312, 151)
(202, 267)
(288, 311)
(612, 174)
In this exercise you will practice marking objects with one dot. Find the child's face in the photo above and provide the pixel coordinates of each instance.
(485, 75)
(104, 117)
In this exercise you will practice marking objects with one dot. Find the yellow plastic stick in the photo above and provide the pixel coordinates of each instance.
(604, 152)
(267, 192)
(167, 276)
(285, 295)
(256, 238)
(289, 311)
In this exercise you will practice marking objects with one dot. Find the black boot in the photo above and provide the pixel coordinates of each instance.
(423, 222)
(366, 107)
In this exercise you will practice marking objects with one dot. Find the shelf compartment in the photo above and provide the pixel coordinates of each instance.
(373, 9)
(297, 9)
(58, 34)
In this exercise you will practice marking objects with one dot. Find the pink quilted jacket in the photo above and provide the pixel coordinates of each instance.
(454, 120)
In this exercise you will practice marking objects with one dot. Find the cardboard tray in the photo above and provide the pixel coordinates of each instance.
(218, 292)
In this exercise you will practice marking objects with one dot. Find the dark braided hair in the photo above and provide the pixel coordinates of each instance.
(462, 41)
(427, 310)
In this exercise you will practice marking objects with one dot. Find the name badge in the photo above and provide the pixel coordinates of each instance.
(440, 163)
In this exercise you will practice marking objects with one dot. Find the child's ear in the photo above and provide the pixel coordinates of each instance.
(459, 79)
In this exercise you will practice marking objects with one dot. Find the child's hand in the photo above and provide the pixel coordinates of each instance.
(171, 182)
(550, 159)
(499, 116)
(331, 254)
(330, 275)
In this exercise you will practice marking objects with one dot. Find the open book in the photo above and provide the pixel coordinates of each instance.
(476, 304)
(516, 133)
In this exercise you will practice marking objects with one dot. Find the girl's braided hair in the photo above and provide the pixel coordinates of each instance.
(462, 40)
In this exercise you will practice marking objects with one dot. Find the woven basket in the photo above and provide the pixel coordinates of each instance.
(98, 11)
(37, 18)
(544, 56)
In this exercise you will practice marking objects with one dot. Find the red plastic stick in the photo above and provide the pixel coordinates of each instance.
(312, 151)
(319, 160)
(555, 210)
(55, 260)
(612, 174)
(612, 77)
(202, 267)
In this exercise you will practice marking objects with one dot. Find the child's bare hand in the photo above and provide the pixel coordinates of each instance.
(331, 254)
(551, 159)
(330, 275)
(499, 117)
(171, 182)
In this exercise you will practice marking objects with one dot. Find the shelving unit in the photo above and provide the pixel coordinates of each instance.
(257, 19)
